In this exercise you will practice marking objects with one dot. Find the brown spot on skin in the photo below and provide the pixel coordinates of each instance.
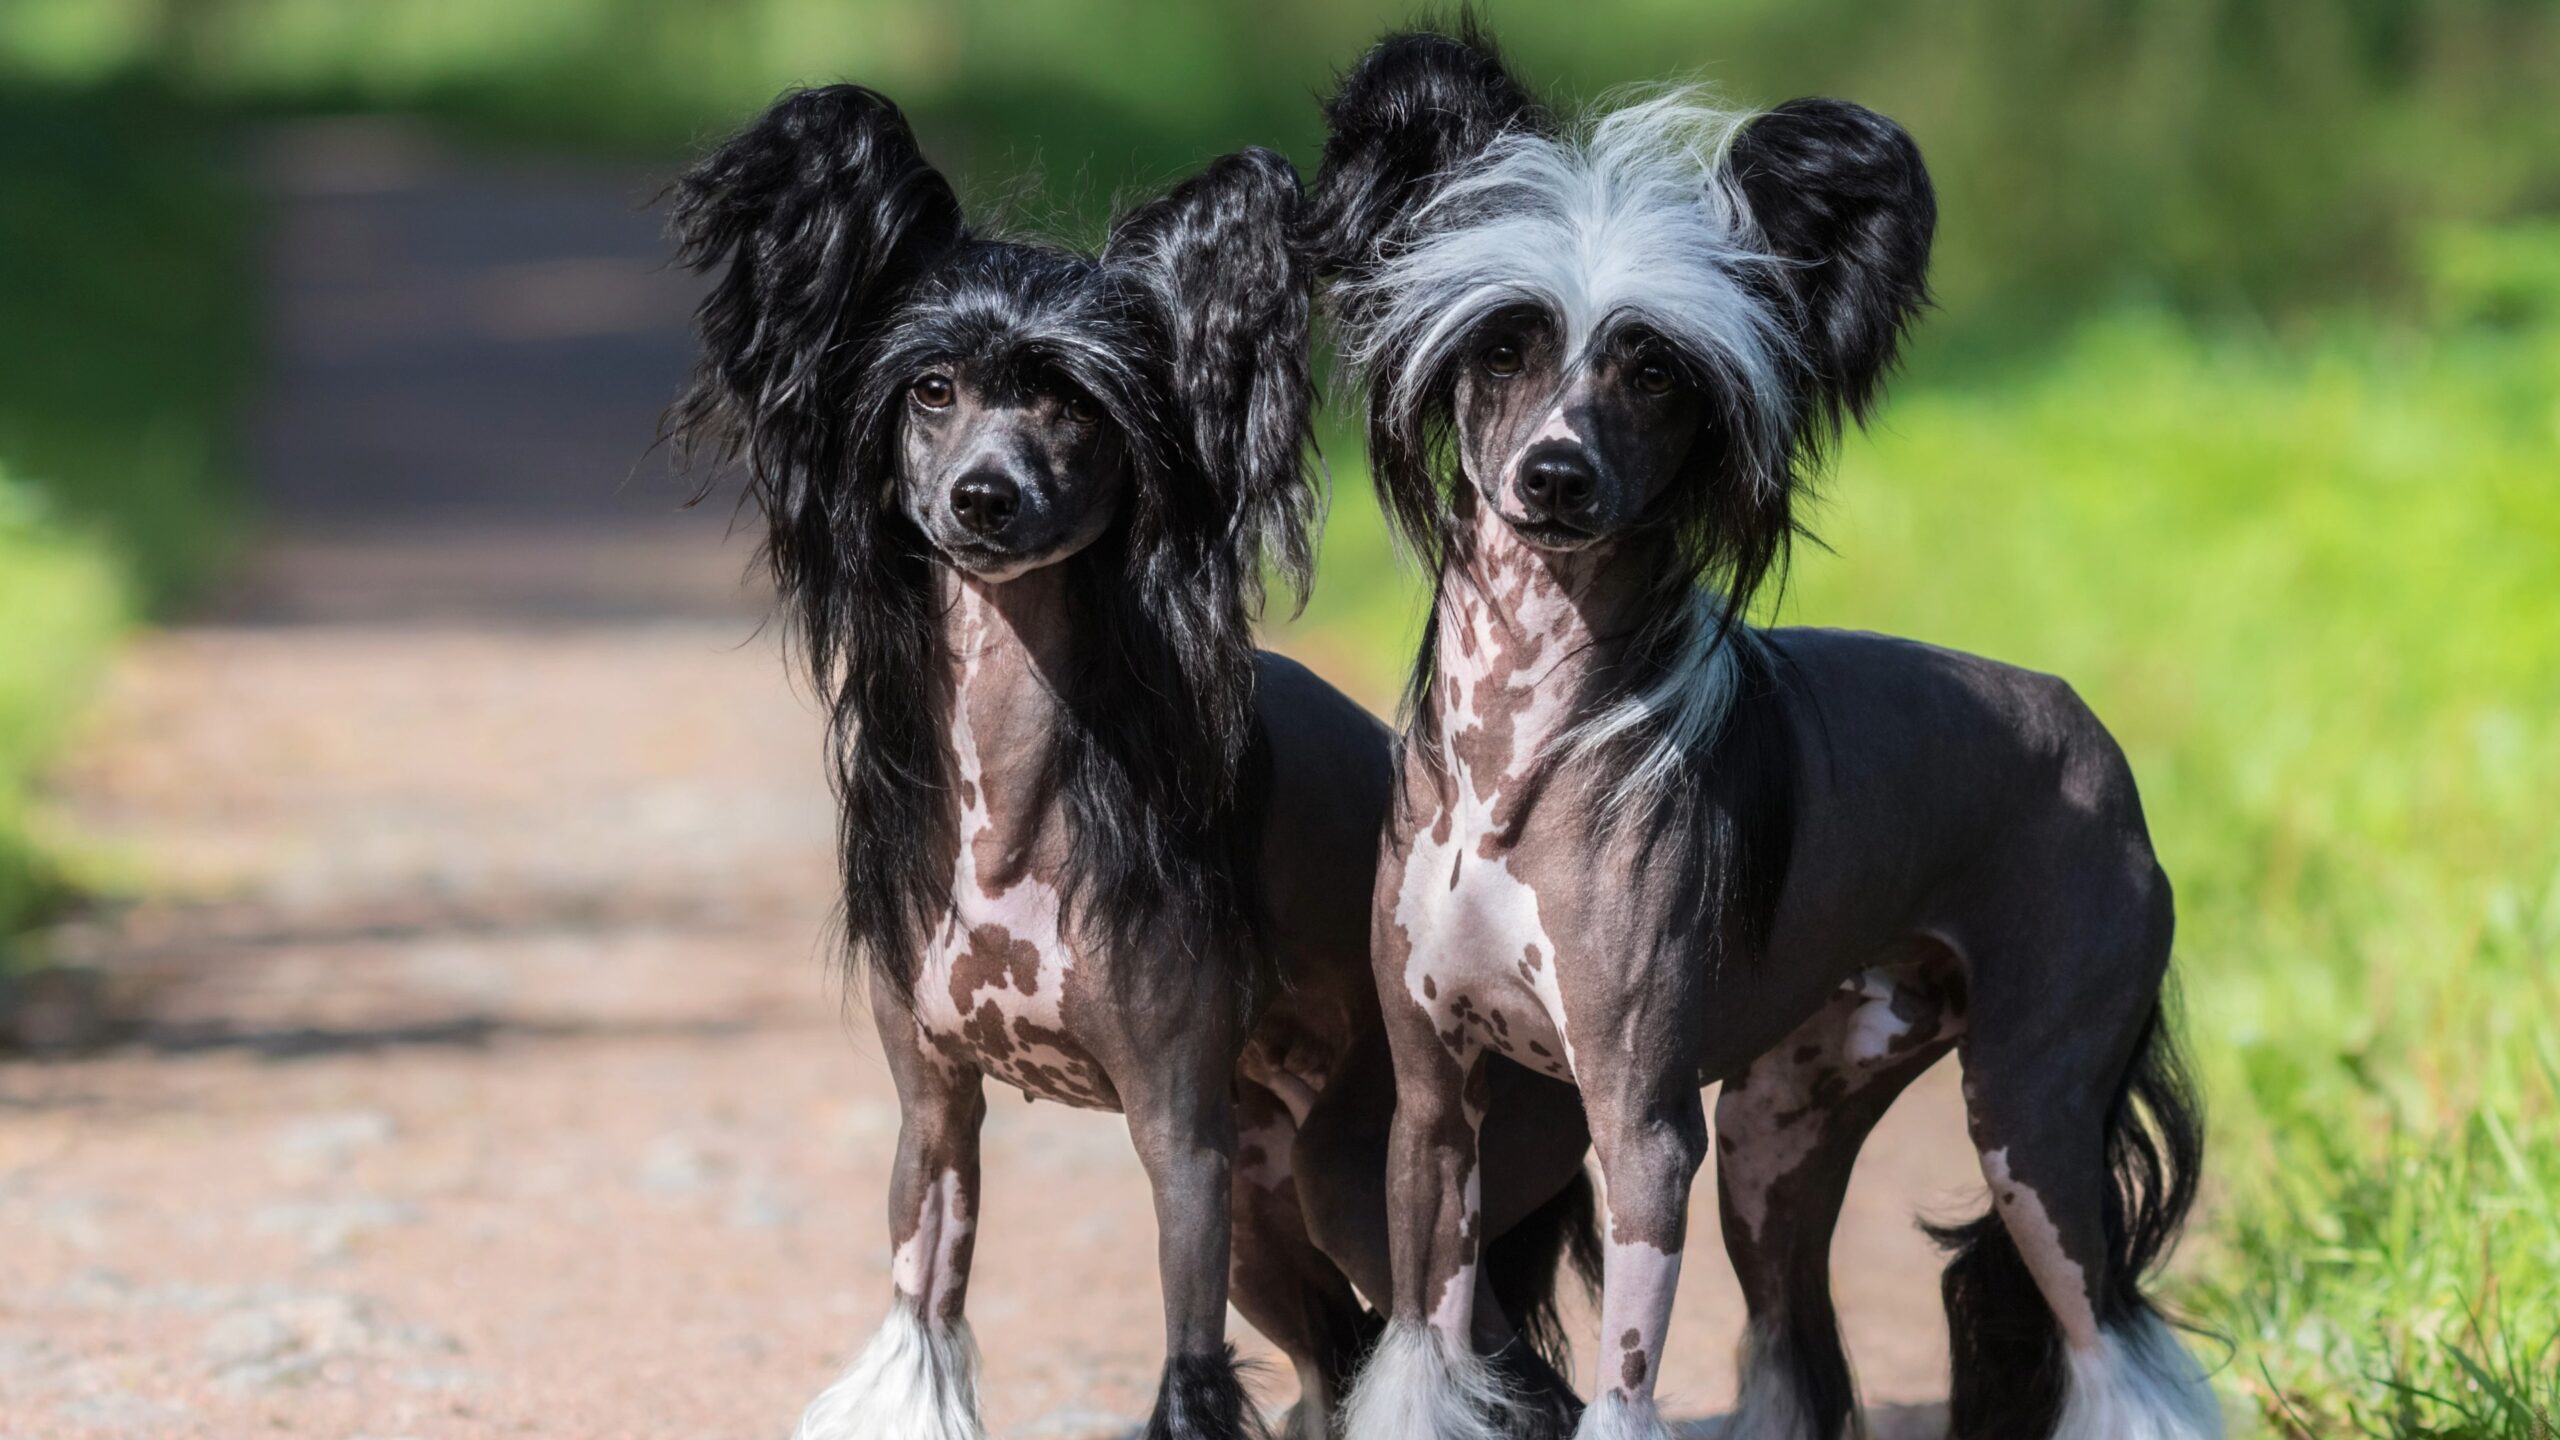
(985, 1032)
(1431, 989)
(1457, 862)
(1631, 1339)
(1632, 1369)
(1529, 955)
(1541, 1051)
(1440, 828)
(968, 794)
(995, 960)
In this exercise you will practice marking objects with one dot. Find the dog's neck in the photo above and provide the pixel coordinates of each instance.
(1521, 631)
(1012, 643)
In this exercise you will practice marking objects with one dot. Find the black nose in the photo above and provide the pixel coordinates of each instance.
(1558, 482)
(985, 502)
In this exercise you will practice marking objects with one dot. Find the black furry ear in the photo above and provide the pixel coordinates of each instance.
(1215, 261)
(1841, 191)
(821, 212)
(1417, 106)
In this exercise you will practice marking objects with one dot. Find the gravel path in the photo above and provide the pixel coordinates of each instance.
(476, 1069)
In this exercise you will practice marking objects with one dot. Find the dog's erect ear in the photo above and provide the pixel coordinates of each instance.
(1417, 106)
(1214, 258)
(817, 216)
(1840, 192)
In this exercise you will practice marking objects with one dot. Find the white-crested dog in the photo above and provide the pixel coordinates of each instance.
(1645, 846)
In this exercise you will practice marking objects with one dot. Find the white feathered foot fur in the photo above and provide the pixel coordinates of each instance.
(1418, 1386)
(914, 1381)
(2138, 1384)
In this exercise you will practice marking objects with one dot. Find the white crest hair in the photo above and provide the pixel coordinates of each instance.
(912, 1382)
(1683, 707)
(1630, 218)
(1418, 1386)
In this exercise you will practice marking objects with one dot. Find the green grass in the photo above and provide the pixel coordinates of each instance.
(2316, 591)
(125, 287)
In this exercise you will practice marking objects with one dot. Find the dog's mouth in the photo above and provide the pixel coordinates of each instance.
(1552, 534)
(988, 560)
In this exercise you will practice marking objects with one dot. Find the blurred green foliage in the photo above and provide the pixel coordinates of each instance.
(127, 288)
(62, 600)
(125, 297)
(2262, 158)
(2239, 411)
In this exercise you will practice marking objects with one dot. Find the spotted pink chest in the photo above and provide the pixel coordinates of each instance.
(994, 991)
(1480, 958)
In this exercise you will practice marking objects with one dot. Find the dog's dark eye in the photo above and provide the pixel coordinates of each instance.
(1081, 408)
(1655, 378)
(1501, 358)
(933, 392)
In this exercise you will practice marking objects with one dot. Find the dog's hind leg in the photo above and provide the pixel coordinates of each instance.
(1296, 1296)
(1788, 1131)
(918, 1378)
(2090, 1140)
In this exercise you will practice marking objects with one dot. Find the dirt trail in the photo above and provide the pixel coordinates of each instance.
(478, 1071)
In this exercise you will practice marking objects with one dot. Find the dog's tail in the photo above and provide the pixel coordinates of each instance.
(1527, 1266)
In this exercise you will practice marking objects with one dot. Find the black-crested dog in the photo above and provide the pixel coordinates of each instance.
(1645, 846)
(1094, 845)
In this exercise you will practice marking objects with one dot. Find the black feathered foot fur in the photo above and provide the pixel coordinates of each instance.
(1547, 1407)
(1202, 1398)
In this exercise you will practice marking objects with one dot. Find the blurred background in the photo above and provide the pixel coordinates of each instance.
(368, 709)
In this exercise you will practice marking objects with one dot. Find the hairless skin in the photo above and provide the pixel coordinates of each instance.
(1096, 847)
(1648, 848)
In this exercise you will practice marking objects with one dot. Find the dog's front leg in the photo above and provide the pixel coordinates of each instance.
(1649, 1126)
(1182, 1120)
(1426, 1381)
(918, 1378)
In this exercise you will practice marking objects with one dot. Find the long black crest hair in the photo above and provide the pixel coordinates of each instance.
(844, 265)
(1778, 257)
